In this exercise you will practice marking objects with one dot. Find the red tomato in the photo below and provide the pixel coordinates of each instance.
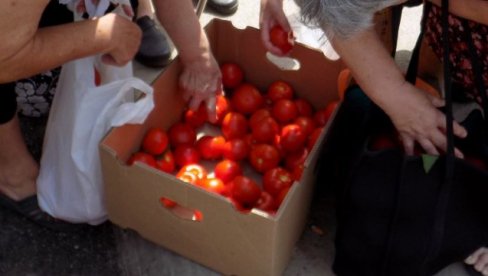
(245, 191)
(212, 184)
(265, 130)
(222, 107)
(232, 75)
(236, 149)
(226, 170)
(296, 159)
(250, 140)
(197, 215)
(167, 162)
(313, 138)
(143, 158)
(306, 123)
(187, 177)
(168, 203)
(285, 110)
(297, 172)
(198, 117)
(292, 138)
(195, 169)
(181, 134)
(186, 154)
(258, 115)
(210, 148)
(322, 116)
(281, 39)
(281, 196)
(276, 180)
(280, 90)
(264, 157)
(304, 107)
(246, 99)
(266, 202)
(155, 141)
(234, 125)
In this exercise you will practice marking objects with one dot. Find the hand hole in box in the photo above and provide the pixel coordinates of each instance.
(181, 211)
(284, 63)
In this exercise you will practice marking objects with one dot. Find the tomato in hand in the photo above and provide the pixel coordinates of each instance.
(155, 141)
(186, 154)
(234, 125)
(292, 138)
(264, 157)
(210, 148)
(322, 116)
(143, 158)
(226, 170)
(246, 99)
(232, 75)
(266, 202)
(280, 90)
(236, 149)
(265, 130)
(167, 162)
(196, 118)
(281, 39)
(245, 191)
(275, 180)
(284, 110)
(181, 134)
(304, 107)
(212, 184)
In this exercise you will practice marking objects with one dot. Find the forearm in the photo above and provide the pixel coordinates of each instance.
(476, 10)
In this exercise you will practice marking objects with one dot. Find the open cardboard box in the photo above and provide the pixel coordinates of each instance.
(225, 240)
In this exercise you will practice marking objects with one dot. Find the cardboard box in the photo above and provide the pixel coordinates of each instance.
(225, 240)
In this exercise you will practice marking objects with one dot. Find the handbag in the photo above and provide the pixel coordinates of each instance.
(410, 215)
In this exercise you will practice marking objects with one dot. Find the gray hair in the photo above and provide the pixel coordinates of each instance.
(343, 18)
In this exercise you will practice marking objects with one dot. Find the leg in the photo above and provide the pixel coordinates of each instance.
(479, 260)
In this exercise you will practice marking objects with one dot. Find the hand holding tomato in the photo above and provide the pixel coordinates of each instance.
(272, 15)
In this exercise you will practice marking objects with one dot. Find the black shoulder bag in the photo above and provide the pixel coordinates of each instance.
(413, 215)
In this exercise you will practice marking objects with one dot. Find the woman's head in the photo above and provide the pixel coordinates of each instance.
(343, 18)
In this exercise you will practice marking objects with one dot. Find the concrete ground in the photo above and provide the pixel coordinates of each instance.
(26, 249)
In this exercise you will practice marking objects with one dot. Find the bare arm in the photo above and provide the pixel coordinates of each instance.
(476, 10)
(26, 50)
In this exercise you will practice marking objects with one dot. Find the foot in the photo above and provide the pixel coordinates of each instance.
(224, 7)
(479, 260)
(155, 49)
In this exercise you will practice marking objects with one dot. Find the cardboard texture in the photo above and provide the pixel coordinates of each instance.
(225, 240)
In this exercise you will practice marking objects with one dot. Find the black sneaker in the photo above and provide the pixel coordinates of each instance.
(155, 49)
(224, 7)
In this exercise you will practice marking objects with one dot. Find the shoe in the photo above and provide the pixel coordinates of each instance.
(224, 7)
(155, 50)
(29, 208)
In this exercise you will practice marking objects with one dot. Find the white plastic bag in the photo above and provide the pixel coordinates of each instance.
(70, 185)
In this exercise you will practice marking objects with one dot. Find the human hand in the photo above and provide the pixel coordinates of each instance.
(123, 38)
(272, 14)
(201, 81)
(417, 119)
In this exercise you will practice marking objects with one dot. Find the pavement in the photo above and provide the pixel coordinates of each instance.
(26, 249)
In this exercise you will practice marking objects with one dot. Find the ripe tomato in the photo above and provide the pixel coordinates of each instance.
(304, 107)
(212, 184)
(307, 124)
(236, 149)
(280, 90)
(296, 159)
(232, 75)
(265, 130)
(187, 177)
(281, 39)
(155, 141)
(195, 169)
(168, 203)
(181, 134)
(264, 157)
(292, 138)
(186, 154)
(265, 202)
(276, 180)
(322, 116)
(222, 107)
(198, 117)
(143, 158)
(250, 140)
(234, 125)
(226, 170)
(297, 172)
(167, 162)
(210, 148)
(285, 110)
(245, 191)
(258, 115)
(281, 196)
(313, 138)
(246, 99)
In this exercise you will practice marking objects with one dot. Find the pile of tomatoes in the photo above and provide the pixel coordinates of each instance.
(255, 150)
